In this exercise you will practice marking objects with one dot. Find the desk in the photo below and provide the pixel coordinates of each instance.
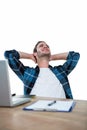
(18, 119)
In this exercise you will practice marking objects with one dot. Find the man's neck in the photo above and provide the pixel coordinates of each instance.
(43, 63)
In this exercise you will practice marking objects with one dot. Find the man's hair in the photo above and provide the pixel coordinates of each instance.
(35, 48)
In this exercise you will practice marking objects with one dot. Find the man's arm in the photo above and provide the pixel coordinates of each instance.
(60, 56)
(16, 65)
(71, 60)
(24, 55)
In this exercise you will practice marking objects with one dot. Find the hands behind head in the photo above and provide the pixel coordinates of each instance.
(33, 58)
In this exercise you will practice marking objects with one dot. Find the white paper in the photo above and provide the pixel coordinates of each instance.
(58, 106)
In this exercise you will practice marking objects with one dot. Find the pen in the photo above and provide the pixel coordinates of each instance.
(50, 104)
(13, 94)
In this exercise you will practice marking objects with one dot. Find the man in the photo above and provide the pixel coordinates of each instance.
(44, 80)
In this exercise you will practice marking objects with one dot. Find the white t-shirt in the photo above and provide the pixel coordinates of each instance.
(47, 85)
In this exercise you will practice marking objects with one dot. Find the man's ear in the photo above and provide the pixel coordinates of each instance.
(35, 54)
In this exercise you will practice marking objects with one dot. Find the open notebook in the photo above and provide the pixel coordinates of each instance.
(49, 105)
(6, 99)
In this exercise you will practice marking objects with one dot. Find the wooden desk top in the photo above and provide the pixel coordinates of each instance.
(18, 119)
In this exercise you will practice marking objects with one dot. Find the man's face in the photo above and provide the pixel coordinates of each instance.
(43, 50)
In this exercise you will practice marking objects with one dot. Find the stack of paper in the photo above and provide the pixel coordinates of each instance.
(49, 105)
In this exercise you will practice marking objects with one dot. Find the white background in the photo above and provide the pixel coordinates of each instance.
(61, 23)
